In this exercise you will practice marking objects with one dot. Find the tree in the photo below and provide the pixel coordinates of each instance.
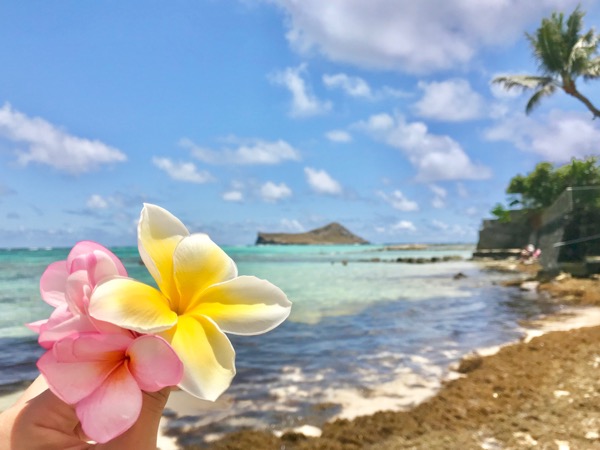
(541, 187)
(563, 55)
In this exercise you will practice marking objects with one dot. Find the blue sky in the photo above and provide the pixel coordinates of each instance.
(242, 116)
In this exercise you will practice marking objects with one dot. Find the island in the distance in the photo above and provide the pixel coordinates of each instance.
(333, 233)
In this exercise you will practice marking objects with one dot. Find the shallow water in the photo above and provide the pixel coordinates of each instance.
(361, 334)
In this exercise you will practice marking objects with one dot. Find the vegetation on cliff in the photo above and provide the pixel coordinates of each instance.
(542, 186)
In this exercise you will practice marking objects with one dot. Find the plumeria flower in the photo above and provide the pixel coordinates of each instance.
(103, 375)
(199, 298)
(67, 286)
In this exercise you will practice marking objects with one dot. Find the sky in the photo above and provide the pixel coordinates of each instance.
(247, 116)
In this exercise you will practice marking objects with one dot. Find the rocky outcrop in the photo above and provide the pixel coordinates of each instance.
(334, 233)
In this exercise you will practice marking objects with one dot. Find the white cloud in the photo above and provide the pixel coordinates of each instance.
(471, 211)
(399, 201)
(557, 136)
(321, 182)
(436, 157)
(182, 171)
(421, 36)
(353, 86)
(404, 225)
(304, 102)
(292, 225)
(271, 192)
(462, 190)
(248, 152)
(51, 146)
(340, 136)
(451, 100)
(233, 196)
(96, 202)
(439, 196)
(439, 225)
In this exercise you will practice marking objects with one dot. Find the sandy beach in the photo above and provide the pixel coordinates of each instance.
(542, 392)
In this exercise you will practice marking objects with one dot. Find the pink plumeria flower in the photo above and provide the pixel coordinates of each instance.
(200, 297)
(67, 285)
(104, 375)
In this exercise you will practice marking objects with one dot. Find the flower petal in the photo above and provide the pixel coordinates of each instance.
(77, 291)
(93, 347)
(198, 263)
(153, 363)
(245, 305)
(53, 282)
(73, 381)
(159, 232)
(85, 248)
(207, 355)
(133, 305)
(112, 408)
(63, 323)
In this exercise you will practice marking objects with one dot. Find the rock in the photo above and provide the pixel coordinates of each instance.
(469, 363)
(333, 233)
(459, 275)
(529, 285)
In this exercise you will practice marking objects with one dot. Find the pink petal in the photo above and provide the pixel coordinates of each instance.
(63, 323)
(153, 363)
(104, 267)
(53, 282)
(36, 326)
(78, 292)
(73, 381)
(112, 408)
(87, 247)
(93, 347)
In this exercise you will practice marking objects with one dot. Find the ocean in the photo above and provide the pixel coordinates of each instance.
(365, 333)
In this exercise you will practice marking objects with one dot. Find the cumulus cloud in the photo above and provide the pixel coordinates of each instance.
(340, 136)
(271, 192)
(292, 225)
(398, 200)
(436, 157)
(233, 196)
(51, 146)
(96, 202)
(404, 225)
(247, 152)
(439, 198)
(450, 100)
(321, 182)
(304, 101)
(353, 86)
(557, 136)
(182, 171)
(412, 37)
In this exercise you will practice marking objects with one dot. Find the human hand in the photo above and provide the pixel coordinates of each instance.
(41, 421)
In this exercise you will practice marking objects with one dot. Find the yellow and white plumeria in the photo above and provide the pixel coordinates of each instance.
(200, 298)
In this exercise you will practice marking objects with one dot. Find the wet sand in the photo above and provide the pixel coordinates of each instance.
(543, 392)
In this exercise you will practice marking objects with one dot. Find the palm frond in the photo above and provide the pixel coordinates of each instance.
(523, 82)
(534, 101)
(592, 69)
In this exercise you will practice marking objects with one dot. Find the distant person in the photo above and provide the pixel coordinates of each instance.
(530, 254)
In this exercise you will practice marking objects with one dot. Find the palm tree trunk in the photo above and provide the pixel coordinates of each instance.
(572, 90)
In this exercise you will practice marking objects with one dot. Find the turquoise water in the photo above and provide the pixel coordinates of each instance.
(356, 325)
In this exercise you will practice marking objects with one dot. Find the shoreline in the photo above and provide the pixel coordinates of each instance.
(460, 389)
(503, 397)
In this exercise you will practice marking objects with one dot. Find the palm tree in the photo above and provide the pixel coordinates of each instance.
(563, 55)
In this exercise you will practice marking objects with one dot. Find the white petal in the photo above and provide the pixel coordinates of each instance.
(245, 305)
